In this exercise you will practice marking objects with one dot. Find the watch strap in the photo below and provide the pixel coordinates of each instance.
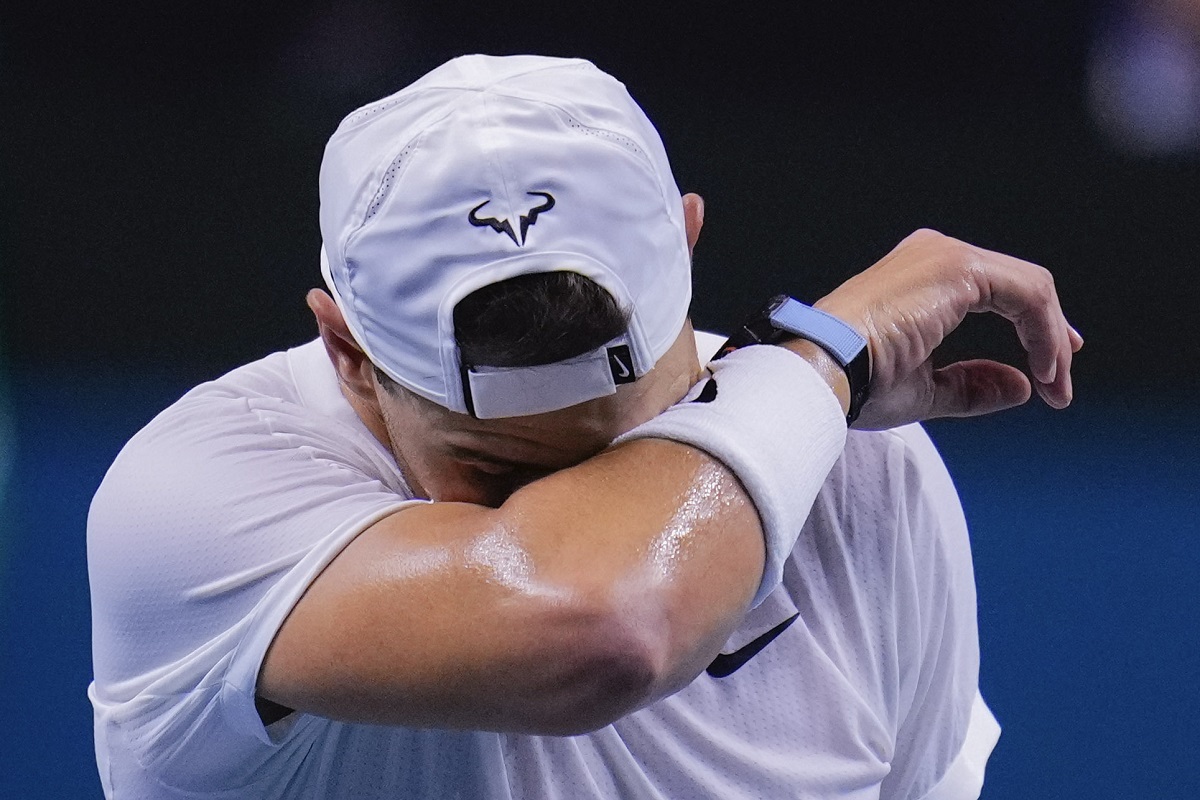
(785, 317)
(839, 339)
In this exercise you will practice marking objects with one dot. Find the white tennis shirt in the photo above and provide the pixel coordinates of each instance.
(217, 515)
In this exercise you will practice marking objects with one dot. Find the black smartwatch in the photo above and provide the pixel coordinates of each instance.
(787, 318)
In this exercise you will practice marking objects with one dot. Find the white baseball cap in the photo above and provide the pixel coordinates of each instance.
(488, 168)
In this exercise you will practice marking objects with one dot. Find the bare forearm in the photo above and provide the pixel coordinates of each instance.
(679, 562)
(586, 595)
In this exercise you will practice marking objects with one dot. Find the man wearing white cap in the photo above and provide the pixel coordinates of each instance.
(510, 529)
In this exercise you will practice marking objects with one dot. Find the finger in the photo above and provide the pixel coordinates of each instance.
(1060, 392)
(1076, 339)
(1024, 293)
(693, 217)
(973, 388)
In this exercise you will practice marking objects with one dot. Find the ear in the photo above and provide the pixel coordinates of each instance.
(693, 218)
(353, 367)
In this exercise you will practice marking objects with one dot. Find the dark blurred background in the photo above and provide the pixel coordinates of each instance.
(159, 226)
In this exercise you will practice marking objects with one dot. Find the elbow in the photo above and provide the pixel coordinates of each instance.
(611, 665)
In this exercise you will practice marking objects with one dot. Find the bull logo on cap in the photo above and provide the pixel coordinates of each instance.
(501, 225)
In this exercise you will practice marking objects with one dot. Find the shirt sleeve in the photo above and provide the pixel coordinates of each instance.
(885, 586)
(944, 730)
(964, 777)
(207, 529)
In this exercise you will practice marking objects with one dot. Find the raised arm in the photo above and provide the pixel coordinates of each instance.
(911, 300)
(599, 588)
(552, 614)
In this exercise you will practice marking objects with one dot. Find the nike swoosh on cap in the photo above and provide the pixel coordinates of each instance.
(622, 371)
(725, 664)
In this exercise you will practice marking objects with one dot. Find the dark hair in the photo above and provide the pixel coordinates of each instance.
(536, 319)
(533, 319)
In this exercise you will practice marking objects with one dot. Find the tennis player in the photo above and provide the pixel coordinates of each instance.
(510, 528)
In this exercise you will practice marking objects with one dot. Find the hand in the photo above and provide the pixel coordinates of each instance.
(910, 301)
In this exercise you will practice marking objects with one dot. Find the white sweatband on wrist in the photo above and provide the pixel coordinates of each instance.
(775, 423)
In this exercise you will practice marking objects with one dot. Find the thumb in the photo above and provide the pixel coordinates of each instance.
(974, 388)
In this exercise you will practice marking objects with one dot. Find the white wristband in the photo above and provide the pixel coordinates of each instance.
(775, 423)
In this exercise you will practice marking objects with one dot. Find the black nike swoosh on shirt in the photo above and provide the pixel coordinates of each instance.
(725, 664)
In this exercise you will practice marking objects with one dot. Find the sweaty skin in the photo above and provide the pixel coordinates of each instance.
(561, 585)
(702, 503)
(557, 585)
(500, 555)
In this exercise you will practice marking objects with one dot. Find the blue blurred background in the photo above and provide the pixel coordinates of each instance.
(159, 227)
